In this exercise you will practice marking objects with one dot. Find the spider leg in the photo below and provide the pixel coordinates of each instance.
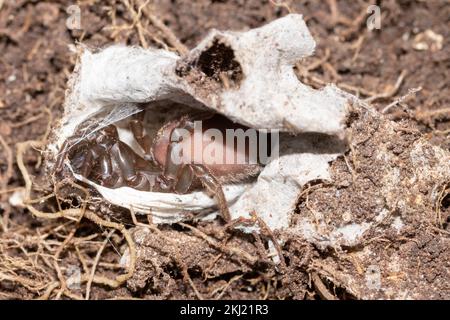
(143, 182)
(126, 160)
(213, 187)
(165, 141)
(108, 177)
(137, 128)
(172, 168)
(186, 176)
(87, 164)
(181, 175)
(184, 181)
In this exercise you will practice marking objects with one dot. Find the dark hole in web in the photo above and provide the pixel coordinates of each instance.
(219, 61)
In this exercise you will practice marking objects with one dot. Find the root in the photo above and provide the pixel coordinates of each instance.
(62, 281)
(321, 289)
(425, 115)
(136, 20)
(225, 287)
(9, 171)
(96, 261)
(51, 287)
(119, 280)
(143, 9)
(444, 192)
(282, 5)
(31, 285)
(390, 91)
(27, 121)
(336, 16)
(265, 228)
(401, 99)
(231, 251)
(314, 65)
(4, 180)
(171, 38)
(350, 169)
(75, 214)
(357, 46)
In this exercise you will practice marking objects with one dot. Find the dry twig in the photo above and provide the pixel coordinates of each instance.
(390, 92)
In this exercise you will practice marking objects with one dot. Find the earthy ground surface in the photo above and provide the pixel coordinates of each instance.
(409, 53)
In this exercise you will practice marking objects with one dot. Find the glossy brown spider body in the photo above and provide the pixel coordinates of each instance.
(102, 157)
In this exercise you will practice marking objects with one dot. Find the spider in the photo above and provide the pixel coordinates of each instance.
(102, 157)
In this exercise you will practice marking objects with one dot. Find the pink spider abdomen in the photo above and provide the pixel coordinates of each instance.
(206, 143)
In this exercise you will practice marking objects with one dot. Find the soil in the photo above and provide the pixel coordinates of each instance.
(38, 255)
